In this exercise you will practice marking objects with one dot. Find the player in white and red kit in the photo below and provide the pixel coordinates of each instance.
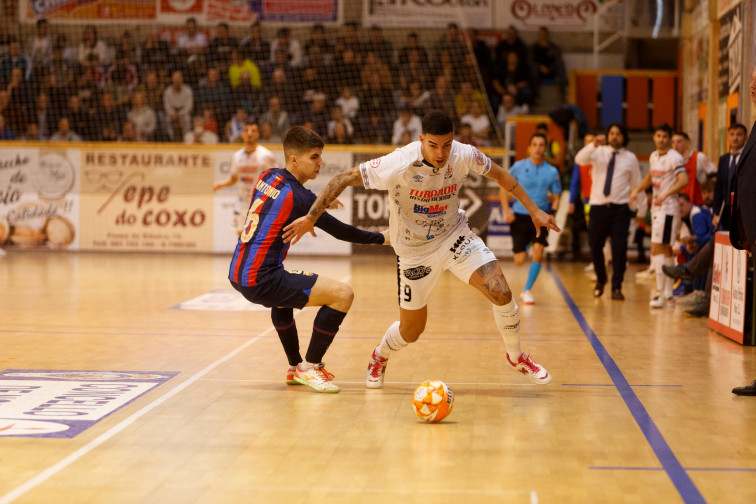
(430, 234)
(668, 175)
(246, 166)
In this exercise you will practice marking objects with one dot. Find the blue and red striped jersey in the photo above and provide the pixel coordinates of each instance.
(278, 199)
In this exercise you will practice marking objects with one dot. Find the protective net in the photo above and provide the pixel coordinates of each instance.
(170, 71)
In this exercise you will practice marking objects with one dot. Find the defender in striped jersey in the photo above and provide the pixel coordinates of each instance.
(257, 271)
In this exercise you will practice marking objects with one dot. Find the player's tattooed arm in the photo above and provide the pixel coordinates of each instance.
(331, 191)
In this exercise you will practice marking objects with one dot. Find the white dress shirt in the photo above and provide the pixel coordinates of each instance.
(626, 173)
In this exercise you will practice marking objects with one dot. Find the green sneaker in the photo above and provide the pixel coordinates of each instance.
(317, 378)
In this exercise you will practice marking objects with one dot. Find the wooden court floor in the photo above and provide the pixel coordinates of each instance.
(639, 409)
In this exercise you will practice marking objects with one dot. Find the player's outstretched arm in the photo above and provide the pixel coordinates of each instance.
(306, 224)
(508, 182)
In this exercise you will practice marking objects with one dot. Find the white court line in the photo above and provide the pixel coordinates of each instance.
(56, 468)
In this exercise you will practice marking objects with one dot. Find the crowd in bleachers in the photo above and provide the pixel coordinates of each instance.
(348, 84)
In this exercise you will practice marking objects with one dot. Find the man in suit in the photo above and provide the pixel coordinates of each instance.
(736, 137)
(743, 229)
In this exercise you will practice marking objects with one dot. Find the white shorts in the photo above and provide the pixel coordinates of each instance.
(664, 226)
(462, 254)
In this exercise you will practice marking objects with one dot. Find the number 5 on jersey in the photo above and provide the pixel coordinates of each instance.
(252, 219)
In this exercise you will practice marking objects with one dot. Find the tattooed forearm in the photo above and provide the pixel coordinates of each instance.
(331, 191)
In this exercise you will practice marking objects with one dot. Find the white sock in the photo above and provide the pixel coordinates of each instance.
(306, 366)
(658, 262)
(392, 341)
(507, 318)
(669, 283)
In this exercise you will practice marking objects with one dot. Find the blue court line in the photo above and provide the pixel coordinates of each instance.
(712, 469)
(677, 474)
(612, 385)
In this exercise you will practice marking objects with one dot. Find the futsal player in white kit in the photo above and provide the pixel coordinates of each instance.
(668, 175)
(246, 166)
(430, 234)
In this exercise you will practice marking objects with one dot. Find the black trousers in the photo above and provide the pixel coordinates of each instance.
(609, 221)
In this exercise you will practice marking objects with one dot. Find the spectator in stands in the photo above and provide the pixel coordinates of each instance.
(43, 115)
(512, 78)
(280, 62)
(106, 120)
(277, 117)
(281, 88)
(338, 117)
(127, 45)
(318, 39)
(32, 133)
(412, 45)
(70, 54)
(142, 117)
(339, 135)
(245, 95)
(407, 122)
(414, 96)
(697, 219)
(293, 48)
(547, 57)
(64, 133)
(208, 115)
(465, 135)
(129, 133)
(310, 84)
(509, 108)
(122, 78)
(375, 128)
(471, 72)
(192, 48)
(414, 70)
(510, 43)
(156, 52)
(466, 97)
(199, 135)
(697, 166)
(266, 133)
(14, 59)
(19, 90)
(441, 98)
(212, 92)
(447, 68)
(378, 44)
(5, 132)
(178, 103)
(479, 122)
(78, 117)
(39, 47)
(91, 44)
(61, 68)
(317, 114)
(452, 42)
(349, 41)
(254, 47)
(376, 98)
(347, 70)
(220, 47)
(91, 81)
(235, 126)
(372, 64)
(349, 103)
(153, 91)
(481, 56)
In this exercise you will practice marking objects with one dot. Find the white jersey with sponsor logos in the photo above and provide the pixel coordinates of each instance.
(664, 171)
(248, 166)
(424, 200)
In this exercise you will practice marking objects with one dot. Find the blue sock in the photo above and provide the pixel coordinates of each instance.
(535, 268)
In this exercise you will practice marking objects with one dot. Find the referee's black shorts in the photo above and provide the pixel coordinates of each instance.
(523, 233)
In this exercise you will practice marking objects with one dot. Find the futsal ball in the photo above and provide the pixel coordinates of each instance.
(433, 400)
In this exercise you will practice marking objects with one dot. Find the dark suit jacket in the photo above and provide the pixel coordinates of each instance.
(743, 226)
(722, 189)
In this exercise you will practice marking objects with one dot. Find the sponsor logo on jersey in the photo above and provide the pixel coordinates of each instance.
(417, 273)
(479, 158)
(375, 163)
(417, 179)
(448, 174)
(432, 210)
(417, 164)
(435, 193)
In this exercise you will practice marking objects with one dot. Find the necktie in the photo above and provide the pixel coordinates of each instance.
(731, 171)
(609, 175)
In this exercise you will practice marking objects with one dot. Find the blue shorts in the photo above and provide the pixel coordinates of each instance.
(285, 289)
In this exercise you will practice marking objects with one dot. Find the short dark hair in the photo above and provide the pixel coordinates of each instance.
(682, 134)
(623, 131)
(251, 121)
(437, 122)
(738, 126)
(542, 125)
(299, 139)
(664, 127)
(538, 135)
(684, 196)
